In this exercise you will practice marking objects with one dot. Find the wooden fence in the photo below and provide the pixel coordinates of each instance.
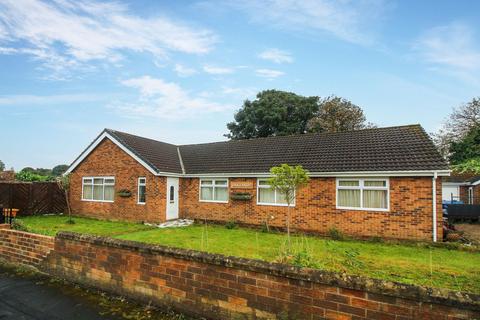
(32, 197)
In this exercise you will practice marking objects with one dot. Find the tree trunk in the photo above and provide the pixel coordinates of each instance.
(288, 226)
(68, 207)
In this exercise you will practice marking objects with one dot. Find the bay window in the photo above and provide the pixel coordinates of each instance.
(98, 189)
(214, 190)
(363, 194)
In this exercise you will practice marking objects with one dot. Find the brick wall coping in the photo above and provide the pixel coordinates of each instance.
(376, 286)
(26, 234)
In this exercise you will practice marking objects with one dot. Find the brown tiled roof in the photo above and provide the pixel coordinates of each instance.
(163, 157)
(403, 148)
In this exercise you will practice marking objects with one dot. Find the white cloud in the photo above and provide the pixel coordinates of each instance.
(47, 100)
(184, 71)
(72, 32)
(167, 100)
(451, 50)
(217, 70)
(349, 20)
(276, 55)
(450, 46)
(269, 73)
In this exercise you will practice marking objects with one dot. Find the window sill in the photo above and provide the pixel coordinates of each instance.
(105, 201)
(275, 204)
(212, 201)
(141, 203)
(363, 209)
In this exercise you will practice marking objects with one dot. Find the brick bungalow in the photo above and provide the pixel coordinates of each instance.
(375, 182)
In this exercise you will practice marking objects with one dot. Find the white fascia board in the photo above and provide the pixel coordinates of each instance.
(422, 173)
(117, 143)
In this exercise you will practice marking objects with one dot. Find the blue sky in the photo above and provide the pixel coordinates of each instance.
(176, 70)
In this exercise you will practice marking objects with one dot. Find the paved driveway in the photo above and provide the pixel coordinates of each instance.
(27, 299)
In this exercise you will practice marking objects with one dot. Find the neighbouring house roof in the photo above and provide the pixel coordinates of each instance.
(462, 178)
(392, 149)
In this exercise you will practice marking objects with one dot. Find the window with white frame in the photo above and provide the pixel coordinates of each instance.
(98, 189)
(267, 195)
(214, 190)
(368, 194)
(142, 188)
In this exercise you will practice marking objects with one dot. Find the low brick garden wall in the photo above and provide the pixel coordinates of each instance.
(23, 247)
(220, 287)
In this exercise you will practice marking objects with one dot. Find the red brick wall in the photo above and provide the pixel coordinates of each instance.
(23, 247)
(109, 160)
(410, 215)
(217, 287)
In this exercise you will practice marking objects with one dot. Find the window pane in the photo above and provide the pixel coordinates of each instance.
(87, 192)
(380, 183)
(206, 182)
(375, 199)
(141, 194)
(206, 193)
(98, 181)
(349, 198)
(141, 181)
(221, 194)
(87, 181)
(221, 182)
(109, 193)
(110, 181)
(281, 198)
(98, 192)
(266, 195)
(348, 183)
(172, 194)
(263, 183)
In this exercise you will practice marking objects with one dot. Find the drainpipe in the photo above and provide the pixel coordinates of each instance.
(434, 200)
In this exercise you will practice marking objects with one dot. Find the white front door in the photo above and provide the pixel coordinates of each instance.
(172, 198)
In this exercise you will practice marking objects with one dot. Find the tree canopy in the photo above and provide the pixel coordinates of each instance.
(273, 113)
(2, 165)
(467, 148)
(458, 125)
(59, 170)
(276, 113)
(338, 114)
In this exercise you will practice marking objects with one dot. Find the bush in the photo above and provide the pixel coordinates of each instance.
(19, 225)
(232, 224)
(335, 234)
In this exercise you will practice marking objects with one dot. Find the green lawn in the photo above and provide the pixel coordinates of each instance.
(421, 265)
(50, 225)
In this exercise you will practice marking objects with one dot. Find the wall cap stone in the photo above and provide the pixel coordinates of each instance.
(418, 293)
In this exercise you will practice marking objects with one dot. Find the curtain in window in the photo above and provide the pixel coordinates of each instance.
(281, 198)
(87, 191)
(221, 194)
(266, 195)
(109, 193)
(206, 193)
(349, 198)
(97, 192)
(375, 199)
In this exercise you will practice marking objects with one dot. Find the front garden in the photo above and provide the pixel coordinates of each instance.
(419, 264)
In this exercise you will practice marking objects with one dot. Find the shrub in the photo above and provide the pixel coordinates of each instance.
(19, 225)
(335, 234)
(232, 224)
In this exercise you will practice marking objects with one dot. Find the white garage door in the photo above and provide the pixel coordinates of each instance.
(447, 192)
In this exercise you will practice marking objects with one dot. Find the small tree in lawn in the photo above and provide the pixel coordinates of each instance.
(286, 179)
(63, 183)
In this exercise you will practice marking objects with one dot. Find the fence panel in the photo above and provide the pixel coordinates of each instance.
(32, 197)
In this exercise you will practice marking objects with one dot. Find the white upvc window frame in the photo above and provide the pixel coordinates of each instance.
(141, 184)
(275, 196)
(361, 187)
(214, 186)
(92, 178)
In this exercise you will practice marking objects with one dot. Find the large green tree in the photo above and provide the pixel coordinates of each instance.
(337, 114)
(467, 148)
(2, 165)
(273, 113)
(59, 170)
(458, 125)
